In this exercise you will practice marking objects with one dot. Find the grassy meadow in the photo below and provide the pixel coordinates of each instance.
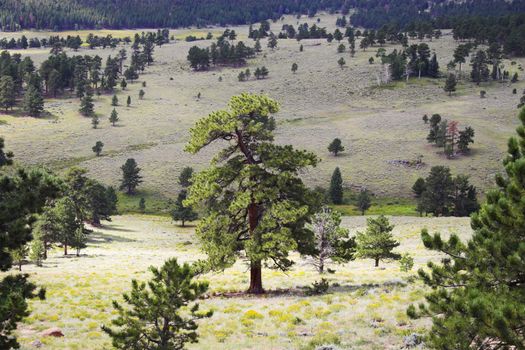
(364, 308)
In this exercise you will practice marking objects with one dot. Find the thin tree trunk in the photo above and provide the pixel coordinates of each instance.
(377, 262)
(65, 249)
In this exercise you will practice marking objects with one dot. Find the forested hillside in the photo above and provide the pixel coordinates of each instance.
(71, 14)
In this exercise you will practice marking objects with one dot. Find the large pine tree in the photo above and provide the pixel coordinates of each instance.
(257, 204)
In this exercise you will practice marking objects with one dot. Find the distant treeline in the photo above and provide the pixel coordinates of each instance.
(73, 14)
(160, 38)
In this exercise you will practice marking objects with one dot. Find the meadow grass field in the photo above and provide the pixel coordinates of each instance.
(377, 124)
(363, 309)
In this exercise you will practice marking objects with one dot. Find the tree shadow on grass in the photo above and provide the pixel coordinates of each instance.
(99, 237)
(302, 291)
(113, 227)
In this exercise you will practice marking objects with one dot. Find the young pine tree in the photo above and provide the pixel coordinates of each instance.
(377, 242)
(113, 118)
(86, 104)
(450, 84)
(181, 212)
(159, 302)
(95, 121)
(341, 62)
(131, 177)
(114, 101)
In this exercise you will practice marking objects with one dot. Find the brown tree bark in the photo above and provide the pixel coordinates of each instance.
(255, 266)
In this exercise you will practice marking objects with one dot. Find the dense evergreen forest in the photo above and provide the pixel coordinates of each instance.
(71, 14)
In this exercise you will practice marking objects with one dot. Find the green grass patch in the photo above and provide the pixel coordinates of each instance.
(381, 206)
(155, 203)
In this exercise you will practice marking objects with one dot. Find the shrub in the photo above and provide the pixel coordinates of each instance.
(406, 263)
(318, 287)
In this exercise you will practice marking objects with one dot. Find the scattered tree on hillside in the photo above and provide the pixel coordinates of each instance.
(341, 62)
(113, 118)
(114, 101)
(294, 67)
(131, 177)
(336, 146)
(466, 137)
(95, 121)
(272, 41)
(128, 102)
(97, 149)
(142, 93)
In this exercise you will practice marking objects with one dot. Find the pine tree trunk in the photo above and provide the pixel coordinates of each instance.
(377, 262)
(255, 266)
(65, 249)
(255, 278)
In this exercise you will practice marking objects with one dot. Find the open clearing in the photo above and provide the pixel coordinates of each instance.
(366, 310)
(319, 102)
